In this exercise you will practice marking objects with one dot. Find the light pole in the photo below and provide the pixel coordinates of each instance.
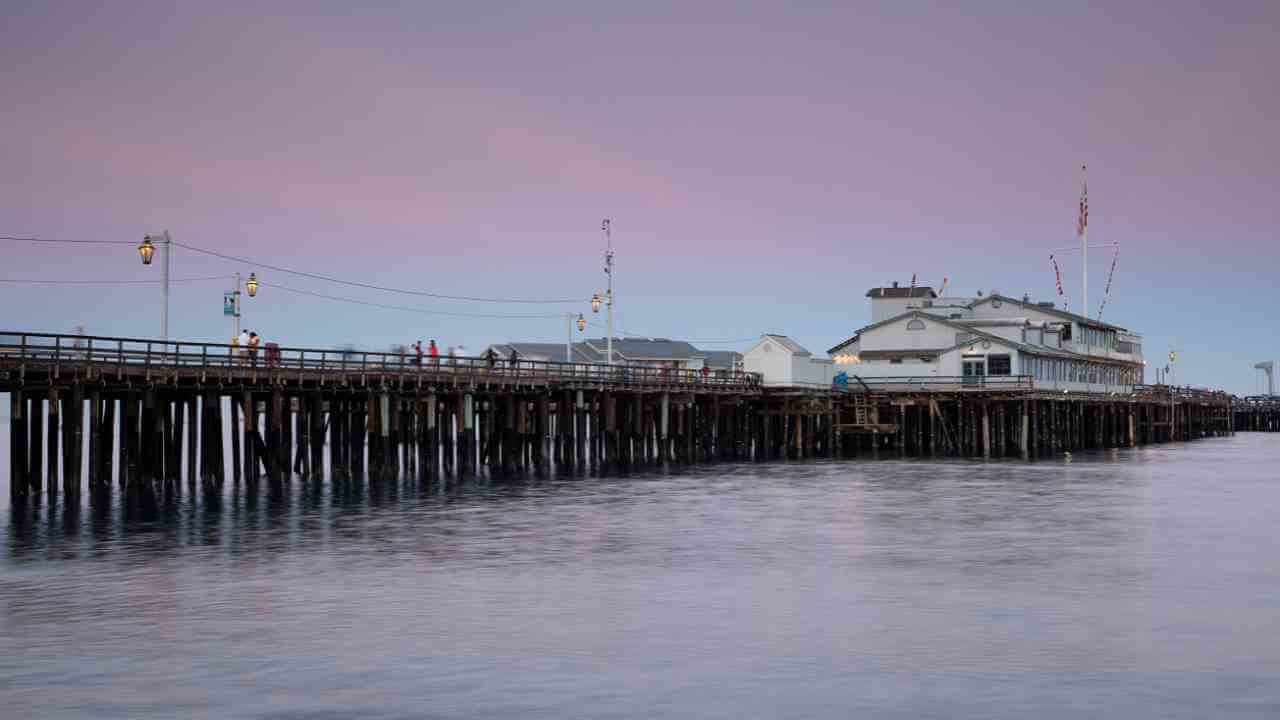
(568, 333)
(235, 299)
(147, 250)
(608, 294)
(1173, 369)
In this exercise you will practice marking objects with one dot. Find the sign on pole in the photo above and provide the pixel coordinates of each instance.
(229, 304)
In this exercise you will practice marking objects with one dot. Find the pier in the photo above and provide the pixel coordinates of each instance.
(151, 415)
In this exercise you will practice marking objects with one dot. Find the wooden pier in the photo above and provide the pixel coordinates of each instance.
(150, 415)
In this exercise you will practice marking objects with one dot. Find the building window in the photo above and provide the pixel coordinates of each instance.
(915, 324)
(999, 365)
(1066, 332)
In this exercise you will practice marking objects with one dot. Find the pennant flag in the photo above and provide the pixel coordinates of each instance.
(1082, 222)
(1057, 273)
(944, 287)
(1110, 276)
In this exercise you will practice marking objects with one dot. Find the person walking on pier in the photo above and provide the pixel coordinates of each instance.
(243, 350)
(417, 352)
(254, 340)
(434, 352)
(513, 360)
(492, 358)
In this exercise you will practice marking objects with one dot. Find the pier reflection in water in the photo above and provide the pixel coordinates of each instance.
(1135, 583)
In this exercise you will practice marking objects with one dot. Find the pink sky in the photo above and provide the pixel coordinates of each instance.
(763, 164)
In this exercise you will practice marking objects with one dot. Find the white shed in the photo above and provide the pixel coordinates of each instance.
(782, 361)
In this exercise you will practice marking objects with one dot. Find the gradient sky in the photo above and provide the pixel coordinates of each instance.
(763, 164)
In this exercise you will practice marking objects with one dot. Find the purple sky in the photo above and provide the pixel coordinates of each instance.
(763, 165)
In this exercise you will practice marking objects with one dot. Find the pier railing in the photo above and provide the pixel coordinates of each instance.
(933, 383)
(132, 354)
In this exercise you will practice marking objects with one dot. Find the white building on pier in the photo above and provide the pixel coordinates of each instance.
(987, 340)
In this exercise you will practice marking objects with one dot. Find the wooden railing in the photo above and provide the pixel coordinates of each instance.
(121, 353)
(945, 383)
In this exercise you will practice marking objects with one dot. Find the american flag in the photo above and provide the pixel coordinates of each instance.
(604, 224)
(1082, 223)
(1057, 273)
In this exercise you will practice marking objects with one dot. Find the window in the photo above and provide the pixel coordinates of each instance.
(1066, 332)
(999, 365)
(1124, 347)
(915, 324)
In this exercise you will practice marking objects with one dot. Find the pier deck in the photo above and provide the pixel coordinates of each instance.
(156, 411)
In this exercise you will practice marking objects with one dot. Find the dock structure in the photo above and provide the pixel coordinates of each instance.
(1258, 413)
(151, 415)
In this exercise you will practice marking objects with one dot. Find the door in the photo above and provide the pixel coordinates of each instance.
(973, 371)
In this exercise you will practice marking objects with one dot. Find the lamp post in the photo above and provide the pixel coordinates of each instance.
(147, 250)
(568, 334)
(608, 294)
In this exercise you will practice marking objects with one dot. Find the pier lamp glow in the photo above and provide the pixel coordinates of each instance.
(595, 303)
(252, 285)
(147, 250)
(582, 323)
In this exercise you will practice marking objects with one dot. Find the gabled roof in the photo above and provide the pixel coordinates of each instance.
(718, 359)
(902, 292)
(791, 345)
(1048, 311)
(646, 348)
(552, 351)
(977, 335)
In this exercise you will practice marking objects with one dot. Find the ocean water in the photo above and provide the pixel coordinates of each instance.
(1134, 583)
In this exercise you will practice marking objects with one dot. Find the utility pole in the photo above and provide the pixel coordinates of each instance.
(608, 270)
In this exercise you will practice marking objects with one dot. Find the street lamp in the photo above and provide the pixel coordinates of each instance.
(147, 250)
(252, 285)
(568, 334)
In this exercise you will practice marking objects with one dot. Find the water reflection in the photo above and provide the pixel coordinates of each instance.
(823, 589)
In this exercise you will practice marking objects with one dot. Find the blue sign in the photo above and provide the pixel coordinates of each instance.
(229, 304)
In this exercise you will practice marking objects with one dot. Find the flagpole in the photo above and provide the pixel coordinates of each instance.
(1084, 245)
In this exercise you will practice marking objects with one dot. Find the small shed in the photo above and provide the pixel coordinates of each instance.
(783, 361)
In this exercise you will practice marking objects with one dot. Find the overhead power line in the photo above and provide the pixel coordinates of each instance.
(24, 281)
(369, 286)
(315, 276)
(57, 240)
(423, 311)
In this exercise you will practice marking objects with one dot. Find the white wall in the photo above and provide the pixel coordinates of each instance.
(810, 371)
(895, 336)
(771, 359)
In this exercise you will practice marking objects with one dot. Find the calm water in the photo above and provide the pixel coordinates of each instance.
(1122, 584)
